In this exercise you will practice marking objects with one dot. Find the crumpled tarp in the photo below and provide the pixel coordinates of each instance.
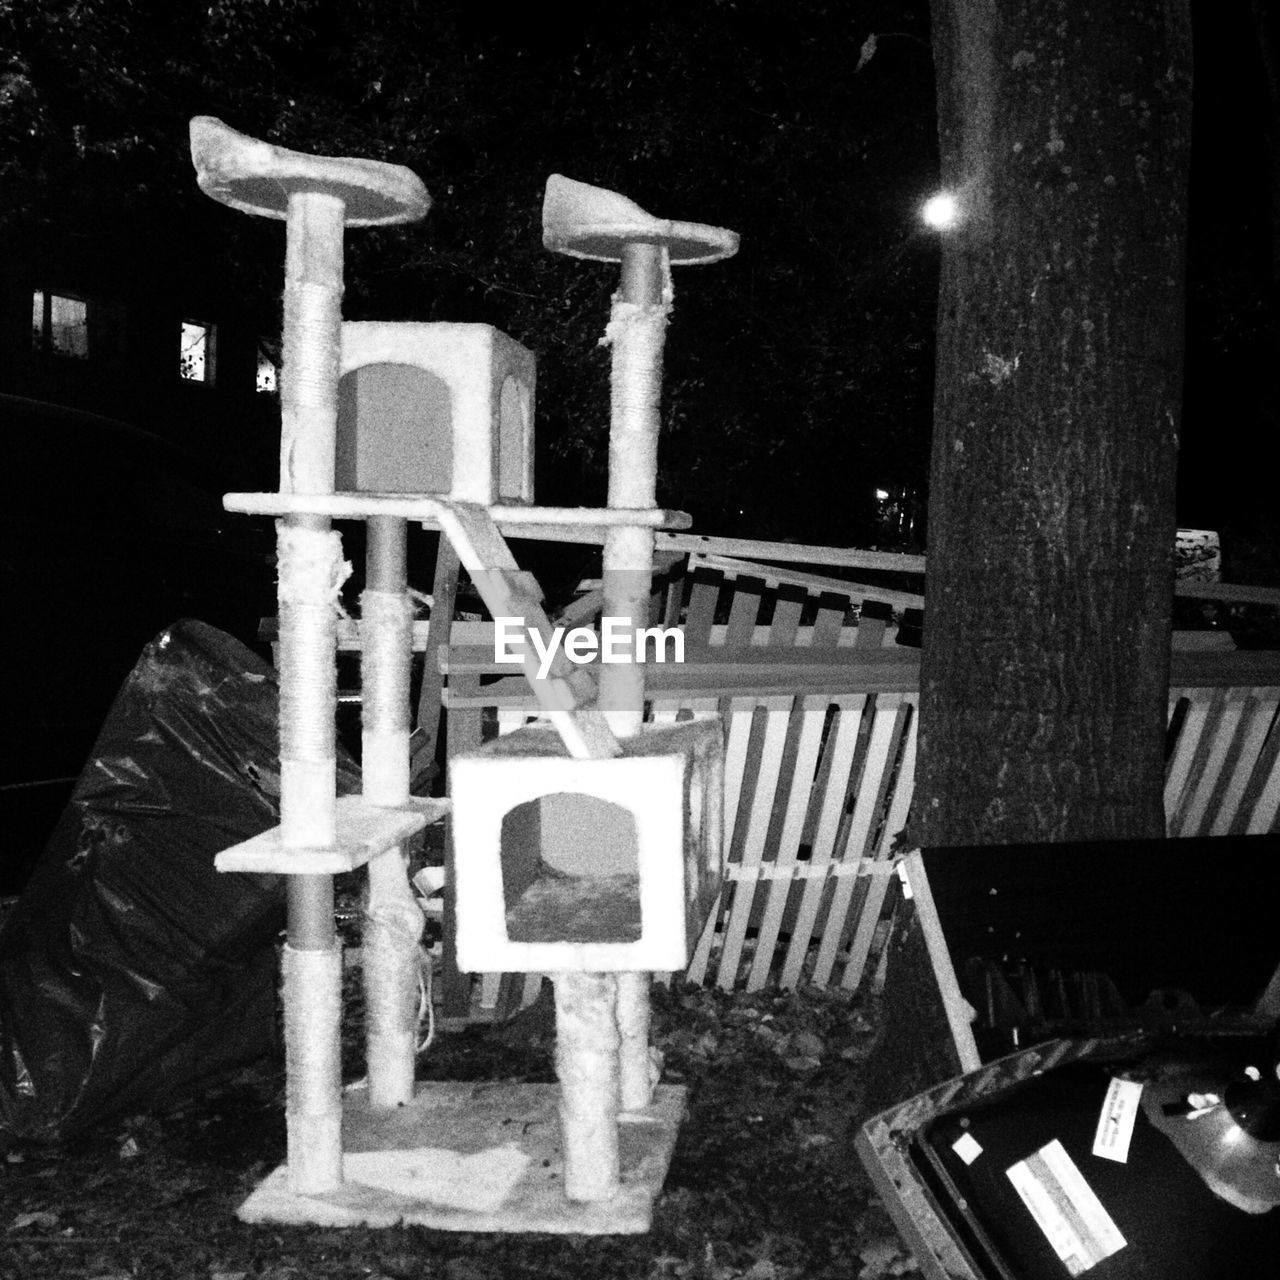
(132, 972)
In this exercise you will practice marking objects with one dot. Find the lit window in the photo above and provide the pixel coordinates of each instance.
(196, 353)
(60, 324)
(267, 374)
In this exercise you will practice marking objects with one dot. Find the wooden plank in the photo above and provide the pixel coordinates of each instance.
(958, 1012)
(788, 608)
(582, 611)
(902, 784)
(1233, 591)
(1230, 817)
(1234, 668)
(701, 958)
(675, 683)
(790, 552)
(777, 716)
(700, 615)
(426, 735)
(739, 661)
(566, 693)
(1220, 733)
(696, 970)
(886, 732)
(490, 991)
(801, 772)
(674, 570)
(853, 558)
(769, 667)
(511, 718)
(843, 742)
(1264, 786)
(744, 609)
(463, 735)
(738, 723)
(774, 576)
(1178, 772)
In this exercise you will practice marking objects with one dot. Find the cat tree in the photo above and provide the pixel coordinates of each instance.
(439, 432)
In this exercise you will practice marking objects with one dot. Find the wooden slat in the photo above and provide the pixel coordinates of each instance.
(953, 1002)
(1219, 736)
(802, 774)
(886, 732)
(1236, 668)
(1258, 719)
(567, 693)
(737, 663)
(777, 715)
(1178, 772)
(1264, 787)
(738, 723)
(700, 615)
(744, 609)
(774, 576)
(844, 742)
(463, 735)
(788, 608)
(444, 590)
(1236, 592)
(902, 784)
(696, 970)
(790, 552)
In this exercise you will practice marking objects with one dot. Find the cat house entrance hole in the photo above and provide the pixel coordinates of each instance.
(570, 870)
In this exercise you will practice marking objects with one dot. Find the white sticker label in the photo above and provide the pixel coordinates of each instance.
(967, 1147)
(1116, 1121)
(1065, 1208)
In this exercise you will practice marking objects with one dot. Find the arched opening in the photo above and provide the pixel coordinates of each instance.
(515, 413)
(570, 870)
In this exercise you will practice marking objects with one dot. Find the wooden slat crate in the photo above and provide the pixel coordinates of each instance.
(820, 717)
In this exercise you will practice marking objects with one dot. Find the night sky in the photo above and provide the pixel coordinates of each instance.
(799, 373)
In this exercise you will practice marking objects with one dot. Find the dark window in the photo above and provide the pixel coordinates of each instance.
(197, 352)
(60, 324)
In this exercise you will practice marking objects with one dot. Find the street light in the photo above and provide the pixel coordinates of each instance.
(941, 211)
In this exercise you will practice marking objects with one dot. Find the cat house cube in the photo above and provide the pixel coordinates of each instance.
(605, 865)
(436, 409)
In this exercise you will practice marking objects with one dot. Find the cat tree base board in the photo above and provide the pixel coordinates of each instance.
(477, 1157)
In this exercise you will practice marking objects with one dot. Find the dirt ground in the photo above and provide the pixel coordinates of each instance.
(764, 1184)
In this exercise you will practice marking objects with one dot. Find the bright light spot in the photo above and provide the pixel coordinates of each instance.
(194, 352)
(266, 379)
(941, 211)
(882, 495)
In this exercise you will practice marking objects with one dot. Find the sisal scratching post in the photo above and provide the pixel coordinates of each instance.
(311, 572)
(392, 919)
(587, 1067)
(589, 222)
(317, 197)
(312, 981)
(636, 333)
(310, 579)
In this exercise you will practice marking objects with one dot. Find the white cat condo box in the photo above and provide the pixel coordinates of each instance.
(441, 409)
(598, 866)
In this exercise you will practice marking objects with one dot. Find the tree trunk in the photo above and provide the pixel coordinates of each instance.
(1051, 514)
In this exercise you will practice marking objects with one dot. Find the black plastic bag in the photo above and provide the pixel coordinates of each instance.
(132, 972)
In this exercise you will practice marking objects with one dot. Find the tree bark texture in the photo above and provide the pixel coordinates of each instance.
(1066, 136)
